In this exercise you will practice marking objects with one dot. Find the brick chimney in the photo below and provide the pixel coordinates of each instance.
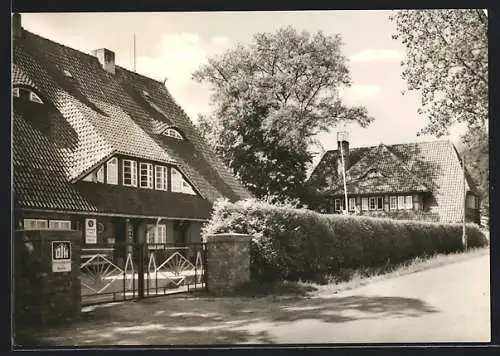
(17, 29)
(343, 142)
(106, 58)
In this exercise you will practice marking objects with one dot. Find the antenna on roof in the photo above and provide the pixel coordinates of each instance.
(134, 53)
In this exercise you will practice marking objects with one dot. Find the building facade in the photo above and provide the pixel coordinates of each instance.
(422, 181)
(106, 151)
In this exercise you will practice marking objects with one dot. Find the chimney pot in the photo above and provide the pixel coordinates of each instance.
(106, 58)
(17, 29)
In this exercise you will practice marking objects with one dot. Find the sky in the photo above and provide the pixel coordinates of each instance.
(172, 45)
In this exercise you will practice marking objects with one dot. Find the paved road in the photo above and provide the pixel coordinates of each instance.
(443, 304)
(446, 304)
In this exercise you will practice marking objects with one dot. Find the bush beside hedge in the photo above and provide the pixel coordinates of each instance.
(292, 244)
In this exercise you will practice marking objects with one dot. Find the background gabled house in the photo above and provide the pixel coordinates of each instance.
(92, 140)
(409, 181)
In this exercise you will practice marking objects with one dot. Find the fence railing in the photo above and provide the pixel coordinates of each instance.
(130, 271)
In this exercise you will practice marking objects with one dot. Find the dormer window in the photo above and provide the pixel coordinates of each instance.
(26, 94)
(171, 132)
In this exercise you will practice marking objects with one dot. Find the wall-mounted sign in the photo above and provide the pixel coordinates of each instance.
(61, 256)
(90, 231)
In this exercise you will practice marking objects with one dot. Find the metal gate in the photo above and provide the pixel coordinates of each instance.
(134, 271)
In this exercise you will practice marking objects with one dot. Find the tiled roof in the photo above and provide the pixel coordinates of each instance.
(415, 167)
(96, 114)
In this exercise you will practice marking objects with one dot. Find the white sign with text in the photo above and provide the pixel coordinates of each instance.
(90, 231)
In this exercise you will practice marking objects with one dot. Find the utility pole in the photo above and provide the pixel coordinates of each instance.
(464, 193)
(343, 176)
(134, 54)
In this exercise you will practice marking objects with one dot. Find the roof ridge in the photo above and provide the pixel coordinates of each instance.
(397, 144)
(87, 54)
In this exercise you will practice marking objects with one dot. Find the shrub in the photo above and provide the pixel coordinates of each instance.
(299, 244)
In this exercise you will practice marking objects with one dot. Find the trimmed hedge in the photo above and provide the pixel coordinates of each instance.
(292, 244)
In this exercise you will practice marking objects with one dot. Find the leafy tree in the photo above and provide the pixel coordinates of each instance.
(447, 62)
(271, 98)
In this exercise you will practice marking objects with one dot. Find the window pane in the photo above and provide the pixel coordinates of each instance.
(364, 203)
(176, 180)
(393, 203)
(161, 177)
(372, 203)
(146, 175)
(60, 224)
(100, 174)
(401, 202)
(380, 203)
(35, 224)
(112, 171)
(409, 202)
(129, 173)
(352, 203)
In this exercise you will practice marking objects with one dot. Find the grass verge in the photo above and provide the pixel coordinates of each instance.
(352, 278)
(361, 277)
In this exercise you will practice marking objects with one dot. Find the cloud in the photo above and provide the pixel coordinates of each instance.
(176, 58)
(360, 92)
(377, 55)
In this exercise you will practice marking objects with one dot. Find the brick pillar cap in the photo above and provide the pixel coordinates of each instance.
(229, 237)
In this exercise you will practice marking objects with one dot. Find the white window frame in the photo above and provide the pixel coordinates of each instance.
(393, 202)
(132, 165)
(161, 176)
(337, 204)
(15, 92)
(401, 202)
(35, 98)
(153, 238)
(364, 204)
(146, 181)
(60, 224)
(39, 224)
(352, 204)
(100, 174)
(179, 184)
(112, 171)
(175, 180)
(370, 200)
(409, 202)
(187, 188)
(171, 132)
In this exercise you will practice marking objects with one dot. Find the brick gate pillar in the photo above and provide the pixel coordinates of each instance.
(45, 292)
(228, 262)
